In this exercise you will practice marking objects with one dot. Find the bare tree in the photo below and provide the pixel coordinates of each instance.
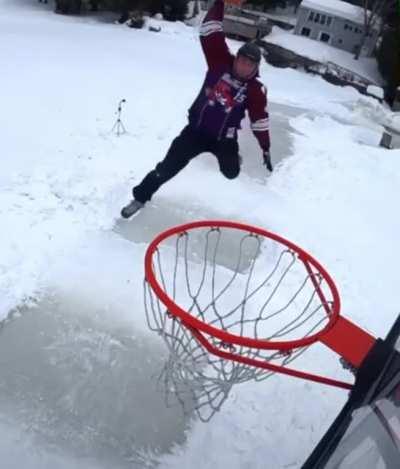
(374, 14)
(196, 9)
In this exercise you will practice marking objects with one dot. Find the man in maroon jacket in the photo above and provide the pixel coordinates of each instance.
(229, 89)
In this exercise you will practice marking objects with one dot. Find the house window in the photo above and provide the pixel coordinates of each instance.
(340, 41)
(319, 18)
(325, 37)
(305, 32)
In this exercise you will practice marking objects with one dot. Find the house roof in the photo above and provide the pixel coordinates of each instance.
(337, 8)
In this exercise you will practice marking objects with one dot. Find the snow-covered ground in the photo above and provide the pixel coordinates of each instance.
(77, 361)
(366, 67)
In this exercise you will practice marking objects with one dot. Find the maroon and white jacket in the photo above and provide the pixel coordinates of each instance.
(223, 99)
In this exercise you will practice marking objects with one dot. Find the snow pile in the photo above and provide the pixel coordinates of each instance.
(394, 122)
(368, 112)
(376, 91)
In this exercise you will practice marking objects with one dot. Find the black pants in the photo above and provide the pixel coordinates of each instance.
(189, 144)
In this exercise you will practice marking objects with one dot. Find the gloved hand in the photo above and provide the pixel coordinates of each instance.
(267, 160)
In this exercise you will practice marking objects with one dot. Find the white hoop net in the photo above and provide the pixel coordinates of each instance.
(241, 283)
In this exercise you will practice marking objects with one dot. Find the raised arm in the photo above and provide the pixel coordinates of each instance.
(212, 37)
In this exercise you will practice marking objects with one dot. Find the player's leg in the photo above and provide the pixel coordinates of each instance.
(185, 147)
(227, 153)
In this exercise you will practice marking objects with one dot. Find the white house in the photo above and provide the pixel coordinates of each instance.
(337, 23)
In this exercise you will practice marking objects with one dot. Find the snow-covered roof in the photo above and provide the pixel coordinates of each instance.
(365, 67)
(337, 8)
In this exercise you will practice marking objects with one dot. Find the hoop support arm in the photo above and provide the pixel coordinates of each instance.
(349, 341)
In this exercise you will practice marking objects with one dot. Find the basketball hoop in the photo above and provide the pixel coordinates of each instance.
(234, 303)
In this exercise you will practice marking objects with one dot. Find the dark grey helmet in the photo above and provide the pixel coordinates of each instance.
(251, 51)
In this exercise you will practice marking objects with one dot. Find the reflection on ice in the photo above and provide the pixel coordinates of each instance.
(85, 390)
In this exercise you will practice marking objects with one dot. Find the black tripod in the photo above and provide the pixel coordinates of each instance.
(119, 127)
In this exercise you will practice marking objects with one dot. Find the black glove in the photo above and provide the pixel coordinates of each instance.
(267, 160)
